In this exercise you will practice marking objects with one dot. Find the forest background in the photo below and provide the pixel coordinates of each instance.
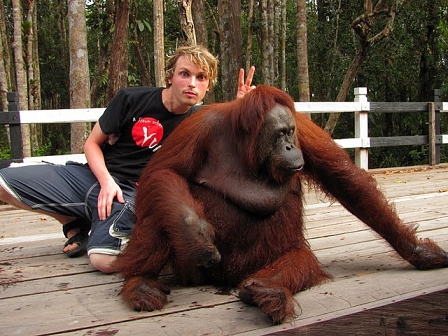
(76, 54)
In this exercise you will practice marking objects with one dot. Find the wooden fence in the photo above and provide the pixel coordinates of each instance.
(360, 107)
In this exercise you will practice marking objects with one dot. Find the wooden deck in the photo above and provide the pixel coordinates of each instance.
(44, 293)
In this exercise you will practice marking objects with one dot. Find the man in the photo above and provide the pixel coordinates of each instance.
(99, 197)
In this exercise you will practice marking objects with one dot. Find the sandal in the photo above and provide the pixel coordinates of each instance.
(80, 238)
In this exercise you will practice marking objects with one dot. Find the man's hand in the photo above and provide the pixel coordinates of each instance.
(106, 198)
(245, 87)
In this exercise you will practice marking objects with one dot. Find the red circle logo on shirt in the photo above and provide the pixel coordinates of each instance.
(147, 132)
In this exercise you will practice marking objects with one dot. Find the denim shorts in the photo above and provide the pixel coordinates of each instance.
(73, 190)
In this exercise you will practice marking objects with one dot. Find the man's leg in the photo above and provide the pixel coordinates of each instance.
(32, 188)
(7, 197)
(108, 237)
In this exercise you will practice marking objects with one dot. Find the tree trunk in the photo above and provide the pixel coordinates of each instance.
(250, 19)
(186, 22)
(265, 43)
(200, 22)
(20, 74)
(36, 131)
(5, 67)
(159, 46)
(32, 63)
(5, 59)
(272, 42)
(118, 67)
(302, 52)
(429, 51)
(231, 45)
(283, 46)
(4, 87)
(36, 64)
(29, 38)
(79, 70)
(200, 27)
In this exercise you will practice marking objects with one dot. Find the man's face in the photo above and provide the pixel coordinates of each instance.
(188, 83)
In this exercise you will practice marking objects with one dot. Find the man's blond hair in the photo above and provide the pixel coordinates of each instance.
(199, 56)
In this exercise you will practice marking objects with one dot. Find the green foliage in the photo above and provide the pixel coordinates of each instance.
(53, 55)
(55, 140)
(398, 156)
(5, 151)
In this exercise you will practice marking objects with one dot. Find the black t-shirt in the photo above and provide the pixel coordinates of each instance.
(137, 122)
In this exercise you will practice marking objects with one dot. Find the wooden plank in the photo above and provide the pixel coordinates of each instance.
(399, 141)
(444, 107)
(393, 107)
(326, 107)
(41, 267)
(64, 282)
(83, 308)
(29, 249)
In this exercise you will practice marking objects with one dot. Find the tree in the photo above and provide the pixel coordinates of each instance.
(250, 19)
(266, 44)
(200, 21)
(118, 66)
(32, 66)
(159, 45)
(283, 45)
(20, 74)
(3, 82)
(186, 22)
(231, 45)
(5, 59)
(79, 70)
(200, 27)
(302, 52)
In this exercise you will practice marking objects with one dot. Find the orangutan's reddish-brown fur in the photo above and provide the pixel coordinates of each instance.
(222, 204)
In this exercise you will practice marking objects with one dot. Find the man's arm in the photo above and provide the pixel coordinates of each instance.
(95, 158)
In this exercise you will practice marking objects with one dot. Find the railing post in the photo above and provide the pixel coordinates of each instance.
(432, 134)
(434, 124)
(15, 133)
(361, 129)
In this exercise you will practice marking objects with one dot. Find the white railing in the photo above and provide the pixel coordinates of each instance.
(360, 107)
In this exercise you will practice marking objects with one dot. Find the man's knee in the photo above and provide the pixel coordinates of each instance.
(5, 194)
(103, 262)
(8, 196)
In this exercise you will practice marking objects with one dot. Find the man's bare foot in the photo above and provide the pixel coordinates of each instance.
(70, 247)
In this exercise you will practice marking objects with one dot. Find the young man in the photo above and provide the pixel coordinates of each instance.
(99, 197)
